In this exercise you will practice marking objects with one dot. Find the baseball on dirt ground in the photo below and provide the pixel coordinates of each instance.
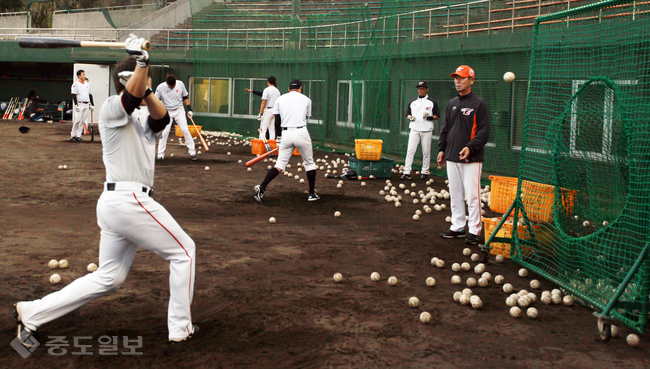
(63, 264)
(431, 281)
(53, 264)
(425, 317)
(414, 302)
(55, 278)
(338, 277)
(375, 276)
(91, 267)
(392, 280)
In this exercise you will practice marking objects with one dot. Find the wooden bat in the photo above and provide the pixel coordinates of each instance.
(205, 146)
(58, 43)
(22, 112)
(255, 160)
(13, 108)
(8, 109)
(266, 143)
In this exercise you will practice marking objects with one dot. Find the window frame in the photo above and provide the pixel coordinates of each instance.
(230, 96)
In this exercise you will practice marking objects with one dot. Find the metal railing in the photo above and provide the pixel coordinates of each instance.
(444, 21)
(120, 7)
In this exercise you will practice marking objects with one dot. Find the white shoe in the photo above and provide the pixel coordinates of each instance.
(195, 329)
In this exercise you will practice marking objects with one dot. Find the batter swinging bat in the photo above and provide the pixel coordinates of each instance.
(58, 43)
(255, 160)
(205, 146)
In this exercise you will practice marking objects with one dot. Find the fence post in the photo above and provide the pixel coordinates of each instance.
(429, 24)
(448, 21)
(512, 22)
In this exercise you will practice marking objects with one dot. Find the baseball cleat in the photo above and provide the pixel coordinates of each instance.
(78, 139)
(193, 157)
(424, 177)
(405, 177)
(72, 139)
(195, 330)
(471, 239)
(259, 193)
(160, 157)
(23, 333)
(453, 234)
(313, 196)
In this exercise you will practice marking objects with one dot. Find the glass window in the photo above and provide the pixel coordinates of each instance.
(219, 96)
(315, 91)
(242, 99)
(201, 94)
(210, 95)
(343, 101)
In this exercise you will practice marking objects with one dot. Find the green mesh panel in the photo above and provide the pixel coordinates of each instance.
(584, 173)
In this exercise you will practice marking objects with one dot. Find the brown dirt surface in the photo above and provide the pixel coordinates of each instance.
(264, 294)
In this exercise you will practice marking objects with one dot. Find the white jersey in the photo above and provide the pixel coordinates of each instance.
(294, 108)
(172, 98)
(82, 90)
(270, 94)
(128, 144)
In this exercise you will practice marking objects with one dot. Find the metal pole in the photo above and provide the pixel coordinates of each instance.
(467, 21)
(448, 21)
(490, 16)
(358, 34)
(512, 22)
(207, 41)
(413, 28)
(429, 23)
(397, 31)
(227, 38)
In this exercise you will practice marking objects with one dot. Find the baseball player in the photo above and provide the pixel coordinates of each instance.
(266, 117)
(464, 134)
(421, 113)
(173, 94)
(82, 98)
(128, 217)
(291, 111)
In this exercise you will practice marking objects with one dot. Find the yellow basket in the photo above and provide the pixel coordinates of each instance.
(368, 149)
(500, 248)
(258, 147)
(193, 131)
(503, 192)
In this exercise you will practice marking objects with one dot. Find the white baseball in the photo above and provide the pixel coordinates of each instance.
(532, 297)
(546, 299)
(418, 212)
(455, 279)
(467, 291)
(499, 279)
(416, 217)
(303, 181)
(556, 292)
(500, 259)
(425, 317)
(434, 260)
(249, 169)
(479, 269)
(91, 267)
(53, 264)
(523, 272)
(375, 276)
(65, 166)
(487, 276)
(511, 301)
(455, 267)
(471, 282)
(431, 281)
(272, 220)
(63, 264)
(338, 277)
(534, 284)
(482, 282)
(477, 303)
(239, 161)
(465, 267)
(523, 301)
(172, 155)
(392, 280)
(414, 302)
(398, 204)
(457, 296)
(475, 257)
(55, 278)
(532, 313)
(337, 214)
(568, 300)
(515, 312)
(614, 331)
(464, 299)
(557, 300)
(448, 219)
(467, 251)
(507, 288)
(228, 153)
(633, 340)
(207, 168)
(522, 293)
(509, 77)
(60, 167)
(440, 263)
(363, 184)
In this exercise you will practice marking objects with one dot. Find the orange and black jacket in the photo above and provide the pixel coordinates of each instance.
(467, 123)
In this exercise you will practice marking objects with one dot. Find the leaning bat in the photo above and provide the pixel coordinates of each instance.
(255, 160)
(205, 146)
(58, 43)
(8, 108)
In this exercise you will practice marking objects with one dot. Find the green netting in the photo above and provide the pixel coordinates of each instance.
(584, 176)
(359, 63)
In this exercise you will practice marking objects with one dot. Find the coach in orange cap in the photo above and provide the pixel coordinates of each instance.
(461, 145)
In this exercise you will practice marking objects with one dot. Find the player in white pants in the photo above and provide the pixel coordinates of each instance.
(173, 94)
(291, 111)
(266, 116)
(82, 98)
(421, 112)
(463, 136)
(128, 217)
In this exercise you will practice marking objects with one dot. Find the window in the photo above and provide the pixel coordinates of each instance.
(315, 90)
(349, 107)
(211, 95)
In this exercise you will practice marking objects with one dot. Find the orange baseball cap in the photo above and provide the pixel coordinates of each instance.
(463, 71)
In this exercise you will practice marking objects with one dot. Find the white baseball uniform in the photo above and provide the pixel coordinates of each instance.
(83, 92)
(421, 131)
(294, 108)
(270, 94)
(172, 98)
(129, 218)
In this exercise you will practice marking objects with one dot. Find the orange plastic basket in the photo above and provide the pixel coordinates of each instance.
(538, 200)
(500, 248)
(368, 149)
(258, 147)
(193, 131)
(503, 192)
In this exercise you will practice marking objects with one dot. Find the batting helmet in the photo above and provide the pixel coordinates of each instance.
(350, 174)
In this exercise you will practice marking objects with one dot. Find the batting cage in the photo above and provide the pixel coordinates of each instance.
(582, 195)
(359, 63)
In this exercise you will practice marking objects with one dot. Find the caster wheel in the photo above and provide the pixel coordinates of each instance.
(606, 332)
(485, 256)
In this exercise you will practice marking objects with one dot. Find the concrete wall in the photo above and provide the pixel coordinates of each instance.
(15, 20)
(122, 18)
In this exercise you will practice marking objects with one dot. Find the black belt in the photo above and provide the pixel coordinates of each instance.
(285, 128)
(146, 190)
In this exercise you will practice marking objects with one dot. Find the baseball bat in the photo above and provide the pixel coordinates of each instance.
(205, 146)
(58, 43)
(8, 108)
(13, 108)
(255, 160)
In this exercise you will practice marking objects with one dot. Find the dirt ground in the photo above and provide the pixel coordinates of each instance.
(264, 294)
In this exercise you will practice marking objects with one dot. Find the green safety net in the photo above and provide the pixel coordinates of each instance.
(583, 194)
